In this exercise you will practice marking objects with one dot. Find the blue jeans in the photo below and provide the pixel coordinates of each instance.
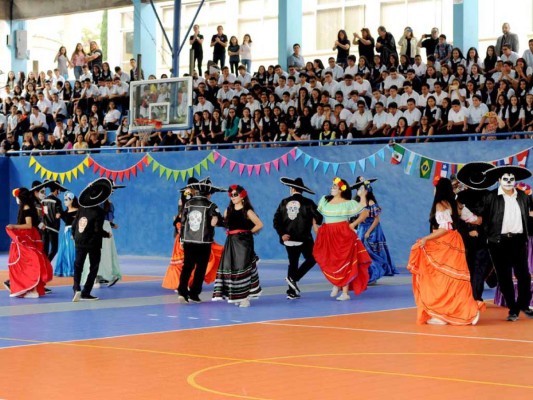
(248, 64)
(77, 72)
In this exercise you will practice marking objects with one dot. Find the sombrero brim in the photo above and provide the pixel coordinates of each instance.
(38, 187)
(520, 173)
(475, 175)
(292, 183)
(54, 184)
(366, 181)
(95, 193)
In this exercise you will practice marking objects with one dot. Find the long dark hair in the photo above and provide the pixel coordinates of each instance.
(444, 193)
(26, 199)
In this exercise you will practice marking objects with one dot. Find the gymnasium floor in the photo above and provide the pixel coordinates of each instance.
(138, 343)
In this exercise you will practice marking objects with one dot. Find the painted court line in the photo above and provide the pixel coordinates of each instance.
(340, 328)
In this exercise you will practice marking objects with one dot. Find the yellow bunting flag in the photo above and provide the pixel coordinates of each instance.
(32, 161)
(69, 175)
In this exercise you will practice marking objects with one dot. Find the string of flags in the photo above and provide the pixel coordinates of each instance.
(416, 164)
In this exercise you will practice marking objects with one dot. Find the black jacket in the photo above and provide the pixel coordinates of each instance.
(294, 217)
(196, 220)
(492, 209)
(88, 228)
(51, 207)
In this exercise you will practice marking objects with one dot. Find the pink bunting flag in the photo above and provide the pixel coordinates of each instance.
(250, 168)
(276, 163)
(216, 155)
(293, 153)
(241, 168)
(267, 167)
(232, 165)
(257, 169)
(285, 159)
(223, 161)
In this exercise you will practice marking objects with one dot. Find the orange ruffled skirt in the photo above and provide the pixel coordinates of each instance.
(441, 281)
(341, 256)
(172, 276)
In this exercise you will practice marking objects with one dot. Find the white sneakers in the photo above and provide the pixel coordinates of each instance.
(436, 321)
(77, 297)
(334, 291)
(244, 303)
(32, 294)
(343, 297)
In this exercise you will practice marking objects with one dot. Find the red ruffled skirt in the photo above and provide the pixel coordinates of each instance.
(172, 276)
(441, 281)
(341, 256)
(29, 267)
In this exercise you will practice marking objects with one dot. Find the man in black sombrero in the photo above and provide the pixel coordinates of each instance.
(198, 220)
(504, 213)
(52, 209)
(293, 221)
(88, 233)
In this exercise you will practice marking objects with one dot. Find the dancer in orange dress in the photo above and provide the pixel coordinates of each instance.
(441, 279)
(172, 276)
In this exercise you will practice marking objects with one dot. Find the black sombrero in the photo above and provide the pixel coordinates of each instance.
(475, 175)
(37, 185)
(297, 184)
(190, 181)
(54, 185)
(206, 186)
(116, 186)
(95, 193)
(362, 181)
(520, 173)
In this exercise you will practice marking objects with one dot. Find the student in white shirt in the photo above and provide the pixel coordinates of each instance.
(476, 114)
(379, 122)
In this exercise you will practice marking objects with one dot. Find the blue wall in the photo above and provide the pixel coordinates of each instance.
(4, 201)
(145, 209)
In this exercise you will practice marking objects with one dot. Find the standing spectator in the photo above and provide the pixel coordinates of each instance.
(342, 45)
(234, 54)
(95, 55)
(62, 62)
(246, 52)
(408, 45)
(443, 50)
(429, 41)
(296, 59)
(386, 45)
(196, 41)
(77, 60)
(219, 42)
(135, 74)
(490, 61)
(507, 38)
(365, 44)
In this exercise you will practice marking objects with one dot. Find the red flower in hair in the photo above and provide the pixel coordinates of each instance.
(239, 189)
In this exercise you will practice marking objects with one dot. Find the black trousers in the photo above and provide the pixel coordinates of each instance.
(219, 58)
(509, 255)
(197, 60)
(94, 261)
(50, 242)
(196, 257)
(294, 252)
(479, 265)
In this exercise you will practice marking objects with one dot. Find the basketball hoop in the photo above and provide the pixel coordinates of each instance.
(145, 126)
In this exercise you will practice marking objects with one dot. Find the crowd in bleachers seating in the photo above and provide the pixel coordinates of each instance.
(391, 89)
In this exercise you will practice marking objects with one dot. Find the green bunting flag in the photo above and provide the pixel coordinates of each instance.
(426, 165)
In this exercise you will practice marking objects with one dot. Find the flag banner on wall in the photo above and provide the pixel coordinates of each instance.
(413, 163)
(426, 164)
(120, 175)
(182, 174)
(521, 158)
(397, 154)
(255, 169)
(62, 176)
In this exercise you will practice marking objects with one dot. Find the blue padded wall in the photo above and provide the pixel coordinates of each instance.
(4, 201)
(145, 209)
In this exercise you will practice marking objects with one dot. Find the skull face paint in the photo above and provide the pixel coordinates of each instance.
(334, 190)
(507, 181)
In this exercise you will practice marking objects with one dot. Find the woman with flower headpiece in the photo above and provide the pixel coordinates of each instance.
(29, 268)
(172, 276)
(237, 278)
(66, 254)
(441, 280)
(370, 231)
(338, 251)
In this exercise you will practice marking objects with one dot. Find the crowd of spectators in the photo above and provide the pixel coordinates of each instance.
(388, 90)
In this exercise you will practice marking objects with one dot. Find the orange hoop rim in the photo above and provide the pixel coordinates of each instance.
(147, 121)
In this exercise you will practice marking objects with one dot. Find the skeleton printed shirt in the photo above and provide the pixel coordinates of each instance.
(196, 220)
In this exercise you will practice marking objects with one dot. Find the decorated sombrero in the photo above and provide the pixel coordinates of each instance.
(474, 175)
(54, 185)
(362, 181)
(190, 181)
(206, 186)
(95, 193)
(297, 184)
(520, 173)
(37, 185)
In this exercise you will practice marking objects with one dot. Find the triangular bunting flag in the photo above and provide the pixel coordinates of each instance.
(198, 169)
(183, 174)
(75, 173)
(107, 173)
(325, 167)
(81, 168)
(335, 167)
(114, 175)
(149, 159)
(32, 161)
(372, 160)
(267, 167)
(307, 158)
(316, 163)
(521, 158)
(216, 155)
(155, 165)
(257, 169)
(203, 163)
(69, 175)
(223, 161)
(145, 160)
(249, 168)
(190, 172)
(285, 159)
(211, 158)
(276, 164)
(87, 161)
(162, 170)
(102, 172)
(43, 172)
(241, 168)
(127, 173)
(96, 167)
(55, 175)
(176, 175)
(37, 167)
(362, 164)
(232, 165)
(352, 167)
(48, 174)
(62, 176)
(133, 171)
(121, 175)
(140, 165)
(381, 154)
(293, 153)
(298, 153)
(169, 173)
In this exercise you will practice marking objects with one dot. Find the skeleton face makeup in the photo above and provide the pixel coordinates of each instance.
(17, 200)
(334, 190)
(361, 190)
(507, 181)
(42, 194)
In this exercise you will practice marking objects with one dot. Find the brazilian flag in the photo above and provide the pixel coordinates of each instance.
(426, 165)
